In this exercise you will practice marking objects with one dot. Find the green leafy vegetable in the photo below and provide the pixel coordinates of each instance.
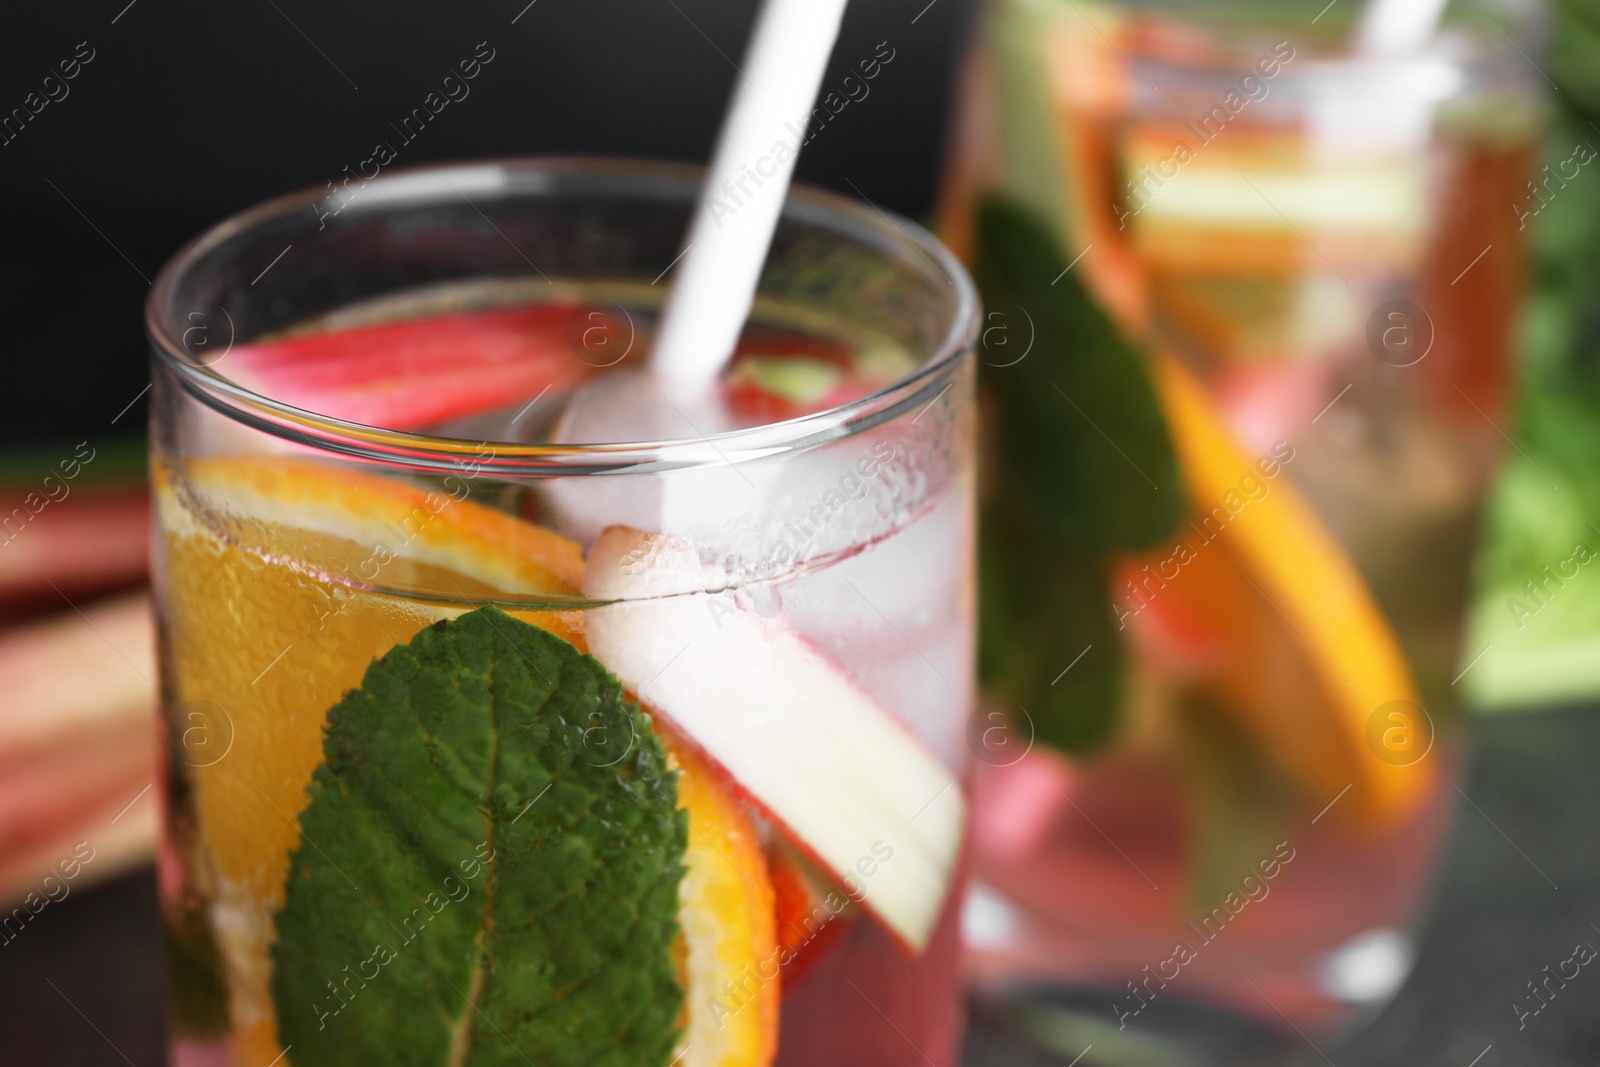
(1547, 501)
(1083, 467)
(1575, 53)
(489, 865)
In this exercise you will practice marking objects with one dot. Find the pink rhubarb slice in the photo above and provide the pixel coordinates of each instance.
(844, 780)
(777, 375)
(418, 372)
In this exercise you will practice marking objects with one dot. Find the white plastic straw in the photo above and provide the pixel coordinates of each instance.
(744, 192)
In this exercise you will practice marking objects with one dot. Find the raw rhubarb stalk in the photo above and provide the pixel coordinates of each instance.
(91, 540)
(56, 796)
(111, 849)
(77, 672)
(78, 738)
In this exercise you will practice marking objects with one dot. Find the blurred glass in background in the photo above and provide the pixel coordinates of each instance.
(1250, 289)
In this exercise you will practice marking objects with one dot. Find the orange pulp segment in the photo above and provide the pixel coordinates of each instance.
(730, 958)
(810, 912)
(1304, 657)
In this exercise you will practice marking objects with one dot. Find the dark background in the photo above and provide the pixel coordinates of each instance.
(189, 112)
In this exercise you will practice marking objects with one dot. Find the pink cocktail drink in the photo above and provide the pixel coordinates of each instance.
(486, 747)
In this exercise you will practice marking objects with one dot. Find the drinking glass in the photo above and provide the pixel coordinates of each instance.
(1319, 251)
(409, 819)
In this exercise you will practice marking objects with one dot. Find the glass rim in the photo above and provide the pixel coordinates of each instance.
(873, 226)
(1455, 56)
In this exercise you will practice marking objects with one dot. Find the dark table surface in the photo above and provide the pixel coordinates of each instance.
(82, 985)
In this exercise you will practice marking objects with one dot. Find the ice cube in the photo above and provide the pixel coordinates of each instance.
(723, 507)
(630, 407)
(897, 617)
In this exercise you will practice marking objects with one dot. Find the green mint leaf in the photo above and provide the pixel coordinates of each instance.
(1083, 467)
(488, 867)
(1043, 608)
(1080, 431)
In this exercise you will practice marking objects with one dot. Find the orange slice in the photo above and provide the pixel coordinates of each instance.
(731, 960)
(1298, 651)
(385, 527)
(811, 913)
(265, 626)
